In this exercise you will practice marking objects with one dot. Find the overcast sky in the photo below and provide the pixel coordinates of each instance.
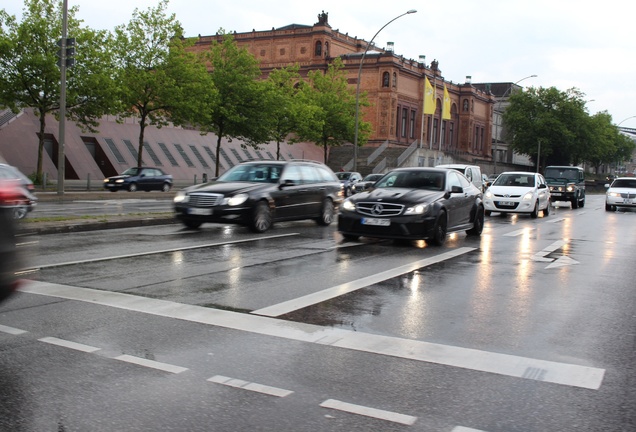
(585, 44)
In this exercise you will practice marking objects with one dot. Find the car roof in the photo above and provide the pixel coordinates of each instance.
(456, 166)
(519, 172)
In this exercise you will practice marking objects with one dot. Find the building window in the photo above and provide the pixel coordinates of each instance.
(435, 128)
(326, 49)
(385, 79)
(405, 116)
(451, 131)
(318, 51)
(394, 79)
(397, 123)
(412, 125)
(465, 104)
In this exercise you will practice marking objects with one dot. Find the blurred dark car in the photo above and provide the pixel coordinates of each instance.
(348, 180)
(10, 191)
(22, 200)
(366, 182)
(143, 178)
(257, 194)
(414, 204)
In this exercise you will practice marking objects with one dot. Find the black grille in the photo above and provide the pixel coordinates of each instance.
(379, 209)
(507, 196)
(628, 195)
(205, 199)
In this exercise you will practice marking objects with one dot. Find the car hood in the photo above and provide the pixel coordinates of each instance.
(510, 190)
(118, 177)
(398, 195)
(228, 188)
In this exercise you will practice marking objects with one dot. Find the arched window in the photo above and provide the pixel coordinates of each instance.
(318, 51)
(394, 79)
(385, 79)
(326, 49)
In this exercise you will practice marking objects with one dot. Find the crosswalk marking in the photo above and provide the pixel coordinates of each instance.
(369, 412)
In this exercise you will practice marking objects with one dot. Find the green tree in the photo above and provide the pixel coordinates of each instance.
(235, 105)
(159, 80)
(31, 77)
(335, 104)
(289, 110)
(549, 121)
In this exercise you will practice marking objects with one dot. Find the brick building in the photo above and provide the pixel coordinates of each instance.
(394, 85)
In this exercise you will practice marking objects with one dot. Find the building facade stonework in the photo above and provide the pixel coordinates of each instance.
(394, 86)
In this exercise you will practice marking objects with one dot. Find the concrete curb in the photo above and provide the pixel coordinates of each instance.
(73, 226)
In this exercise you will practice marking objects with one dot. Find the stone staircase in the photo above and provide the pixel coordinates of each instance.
(341, 159)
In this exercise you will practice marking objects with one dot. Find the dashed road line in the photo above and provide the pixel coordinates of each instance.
(68, 344)
(11, 330)
(345, 288)
(151, 364)
(369, 412)
(246, 385)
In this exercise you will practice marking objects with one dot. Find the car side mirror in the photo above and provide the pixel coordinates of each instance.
(542, 186)
(287, 183)
(457, 189)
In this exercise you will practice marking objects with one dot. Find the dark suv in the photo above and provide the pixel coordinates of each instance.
(257, 194)
(567, 183)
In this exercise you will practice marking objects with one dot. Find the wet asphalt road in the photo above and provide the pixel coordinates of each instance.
(528, 328)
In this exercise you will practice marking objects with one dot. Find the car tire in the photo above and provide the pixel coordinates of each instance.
(582, 202)
(439, 230)
(20, 212)
(478, 224)
(487, 212)
(575, 203)
(546, 210)
(609, 207)
(165, 187)
(327, 212)
(192, 224)
(132, 187)
(535, 211)
(261, 217)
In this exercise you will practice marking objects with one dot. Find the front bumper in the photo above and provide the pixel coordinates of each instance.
(509, 206)
(416, 227)
(215, 214)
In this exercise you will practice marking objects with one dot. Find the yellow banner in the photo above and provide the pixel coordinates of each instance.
(446, 107)
(429, 97)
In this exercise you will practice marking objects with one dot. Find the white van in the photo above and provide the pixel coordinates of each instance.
(472, 173)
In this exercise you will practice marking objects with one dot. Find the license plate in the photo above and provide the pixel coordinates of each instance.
(628, 201)
(556, 193)
(376, 222)
(507, 203)
(200, 211)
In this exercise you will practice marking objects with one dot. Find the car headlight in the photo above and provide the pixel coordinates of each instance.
(181, 197)
(488, 194)
(416, 209)
(614, 194)
(528, 196)
(570, 188)
(105, 180)
(237, 199)
(348, 205)
(119, 181)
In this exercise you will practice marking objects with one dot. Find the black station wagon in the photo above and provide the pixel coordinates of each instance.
(257, 194)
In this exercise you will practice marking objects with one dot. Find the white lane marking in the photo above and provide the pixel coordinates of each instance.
(329, 293)
(259, 388)
(540, 256)
(556, 220)
(68, 344)
(165, 251)
(502, 364)
(519, 232)
(563, 262)
(465, 429)
(151, 364)
(11, 330)
(369, 412)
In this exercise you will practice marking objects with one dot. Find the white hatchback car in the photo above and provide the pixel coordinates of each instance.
(621, 193)
(518, 192)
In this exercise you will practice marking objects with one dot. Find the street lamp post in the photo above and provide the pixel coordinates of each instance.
(355, 136)
(499, 119)
(623, 121)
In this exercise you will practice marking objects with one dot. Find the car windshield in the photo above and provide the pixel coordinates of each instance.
(624, 183)
(343, 175)
(132, 171)
(518, 180)
(428, 180)
(373, 177)
(260, 173)
(561, 173)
